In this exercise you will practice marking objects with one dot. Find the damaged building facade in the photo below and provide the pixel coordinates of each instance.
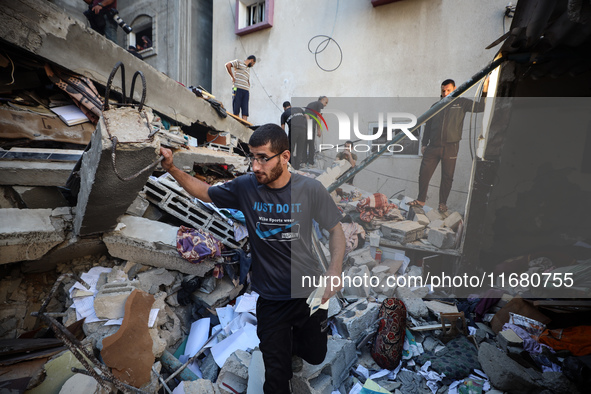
(97, 293)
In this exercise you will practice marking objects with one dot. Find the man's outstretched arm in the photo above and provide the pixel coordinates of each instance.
(192, 185)
(336, 244)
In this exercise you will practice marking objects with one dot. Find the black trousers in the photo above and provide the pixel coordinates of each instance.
(285, 328)
(447, 155)
(298, 146)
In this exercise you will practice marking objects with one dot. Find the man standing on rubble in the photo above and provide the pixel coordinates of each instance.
(312, 111)
(241, 84)
(296, 121)
(279, 208)
(441, 143)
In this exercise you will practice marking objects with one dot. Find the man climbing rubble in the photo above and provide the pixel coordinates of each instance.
(279, 208)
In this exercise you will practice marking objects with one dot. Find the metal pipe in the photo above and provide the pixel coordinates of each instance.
(434, 110)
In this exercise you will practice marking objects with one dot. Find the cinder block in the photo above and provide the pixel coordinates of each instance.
(190, 213)
(235, 372)
(453, 221)
(328, 376)
(362, 257)
(109, 303)
(442, 238)
(356, 318)
(435, 224)
(403, 232)
(434, 214)
(356, 279)
(138, 207)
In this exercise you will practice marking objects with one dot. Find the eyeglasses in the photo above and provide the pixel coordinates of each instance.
(261, 160)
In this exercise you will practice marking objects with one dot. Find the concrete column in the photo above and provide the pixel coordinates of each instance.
(103, 195)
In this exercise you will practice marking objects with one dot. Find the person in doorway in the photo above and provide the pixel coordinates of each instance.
(296, 121)
(99, 16)
(279, 208)
(241, 84)
(348, 155)
(313, 110)
(441, 143)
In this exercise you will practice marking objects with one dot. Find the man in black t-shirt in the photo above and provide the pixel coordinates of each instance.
(279, 208)
(295, 118)
(313, 109)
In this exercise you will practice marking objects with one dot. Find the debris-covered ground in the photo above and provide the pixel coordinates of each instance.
(160, 329)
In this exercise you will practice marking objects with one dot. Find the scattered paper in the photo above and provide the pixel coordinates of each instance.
(315, 298)
(245, 338)
(152, 318)
(197, 336)
(247, 303)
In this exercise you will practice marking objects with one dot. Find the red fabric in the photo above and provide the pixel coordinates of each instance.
(389, 342)
(375, 205)
(577, 340)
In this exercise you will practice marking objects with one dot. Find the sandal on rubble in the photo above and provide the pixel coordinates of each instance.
(416, 203)
(442, 207)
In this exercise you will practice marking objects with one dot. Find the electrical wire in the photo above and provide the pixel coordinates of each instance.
(13, 69)
(327, 40)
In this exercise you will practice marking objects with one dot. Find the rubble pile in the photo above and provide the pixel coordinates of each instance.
(193, 329)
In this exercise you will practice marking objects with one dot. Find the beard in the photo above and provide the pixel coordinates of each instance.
(274, 174)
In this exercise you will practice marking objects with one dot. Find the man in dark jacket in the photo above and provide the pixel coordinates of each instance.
(441, 143)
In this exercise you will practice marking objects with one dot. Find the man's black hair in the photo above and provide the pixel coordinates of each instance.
(349, 142)
(286, 104)
(272, 133)
(253, 57)
(448, 81)
(321, 97)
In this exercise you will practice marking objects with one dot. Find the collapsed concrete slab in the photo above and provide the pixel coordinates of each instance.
(46, 31)
(357, 318)
(35, 173)
(111, 177)
(28, 234)
(185, 158)
(150, 243)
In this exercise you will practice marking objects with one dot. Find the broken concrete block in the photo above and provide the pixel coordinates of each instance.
(234, 373)
(393, 265)
(151, 243)
(508, 375)
(80, 383)
(434, 215)
(151, 280)
(201, 155)
(138, 207)
(100, 173)
(40, 197)
(415, 306)
(509, 338)
(224, 292)
(109, 302)
(356, 318)
(403, 232)
(332, 173)
(439, 307)
(356, 279)
(28, 234)
(435, 224)
(128, 352)
(199, 386)
(35, 173)
(453, 221)
(333, 371)
(256, 373)
(419, 216)
(442, 238)
(209, 368)
(362, 257)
